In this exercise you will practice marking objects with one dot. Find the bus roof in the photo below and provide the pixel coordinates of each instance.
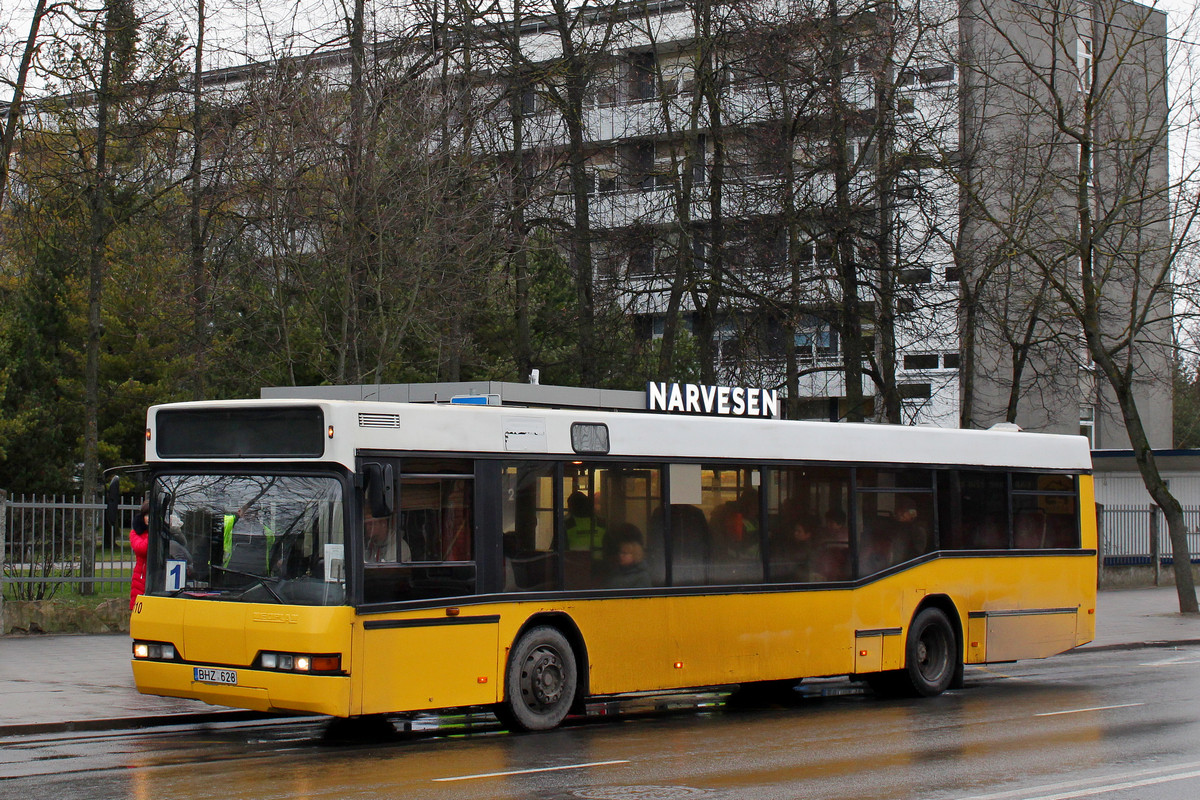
(528, 432)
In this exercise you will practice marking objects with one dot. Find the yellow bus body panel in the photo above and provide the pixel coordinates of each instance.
(1007, 607)
(426, 659)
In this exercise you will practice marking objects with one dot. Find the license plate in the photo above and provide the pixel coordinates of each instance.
(227, 677)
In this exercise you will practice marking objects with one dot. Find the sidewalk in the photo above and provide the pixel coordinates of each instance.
(1128, 618)
(56, 683)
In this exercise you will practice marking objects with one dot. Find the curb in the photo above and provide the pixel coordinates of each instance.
(1146, 645)
(136, 723)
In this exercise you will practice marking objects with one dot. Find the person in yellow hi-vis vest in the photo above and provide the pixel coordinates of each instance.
(245, 549)
(584, 532)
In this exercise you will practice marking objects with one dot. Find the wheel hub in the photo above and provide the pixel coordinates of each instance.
(545, 677)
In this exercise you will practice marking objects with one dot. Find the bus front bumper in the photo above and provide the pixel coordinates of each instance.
(257, 690)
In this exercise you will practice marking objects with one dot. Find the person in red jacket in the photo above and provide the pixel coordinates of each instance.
(139, 540)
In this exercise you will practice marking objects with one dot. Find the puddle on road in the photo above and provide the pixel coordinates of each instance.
(640, 793)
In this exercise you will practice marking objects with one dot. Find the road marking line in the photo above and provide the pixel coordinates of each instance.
(528, 771)
(1077, 786)
(1117, 787)
(1083, 710)
(1171, 662)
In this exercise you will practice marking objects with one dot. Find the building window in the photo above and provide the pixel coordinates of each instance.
(531, 102)
(699, 157)
(950, 360)
(641, 259)
(913, 398)
(818, 257)
(602, 183)
(815, 339)
(642, 77)
(915, 391)
(915, 275)
(1083, 61)
(939, 74)
(921, 361)
(1087, 423)
(927, 76)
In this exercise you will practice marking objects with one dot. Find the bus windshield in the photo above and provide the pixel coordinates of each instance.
(251, 538)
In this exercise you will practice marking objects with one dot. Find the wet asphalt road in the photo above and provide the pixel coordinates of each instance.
(1112, 725)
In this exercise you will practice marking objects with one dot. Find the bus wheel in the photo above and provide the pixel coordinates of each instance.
(541, 680)
(931, 653)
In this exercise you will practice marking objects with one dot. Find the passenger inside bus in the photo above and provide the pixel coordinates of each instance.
(628, 570)
(584, 531)
(247, 541)
(833, 552)
(792, 553)
(689, 544)
(910, 527)
(379, 539)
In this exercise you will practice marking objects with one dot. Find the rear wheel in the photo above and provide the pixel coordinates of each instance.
(541, 681)
(931, 654)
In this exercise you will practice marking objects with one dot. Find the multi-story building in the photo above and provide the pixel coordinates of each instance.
(811, 191)
(866, 205)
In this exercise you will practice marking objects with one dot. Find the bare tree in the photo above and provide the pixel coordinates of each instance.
(19, 82)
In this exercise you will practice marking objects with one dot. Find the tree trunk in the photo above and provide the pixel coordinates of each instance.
(13, 117)
(199, 281)
(97, 261)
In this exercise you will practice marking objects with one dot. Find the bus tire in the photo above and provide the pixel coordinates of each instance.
(931, 657)
(541, 681)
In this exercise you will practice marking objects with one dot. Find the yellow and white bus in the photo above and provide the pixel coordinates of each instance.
(357, 558)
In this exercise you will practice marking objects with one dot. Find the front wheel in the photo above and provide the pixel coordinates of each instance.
(541, 681)
(931, 654)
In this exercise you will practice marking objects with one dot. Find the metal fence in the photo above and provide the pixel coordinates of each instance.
(1137, 535)
(51, 546)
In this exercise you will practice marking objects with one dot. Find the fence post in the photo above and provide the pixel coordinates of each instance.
(1155, 550)
(87, 560)
(3, 551)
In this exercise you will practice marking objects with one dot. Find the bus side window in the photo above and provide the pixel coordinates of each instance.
(808, 538)
(527, 508)
(1044, 512)
(424, 549)
(730, 497)
(972, 510)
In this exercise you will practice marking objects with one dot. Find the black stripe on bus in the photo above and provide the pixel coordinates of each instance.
(430, 622)
(1021, 612)
(877, 632)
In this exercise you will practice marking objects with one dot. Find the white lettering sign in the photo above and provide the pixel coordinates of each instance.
(728, 401)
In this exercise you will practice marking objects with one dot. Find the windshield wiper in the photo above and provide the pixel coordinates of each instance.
(259, 580)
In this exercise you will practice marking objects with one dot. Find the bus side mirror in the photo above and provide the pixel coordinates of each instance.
(112, 501)
(380, 489)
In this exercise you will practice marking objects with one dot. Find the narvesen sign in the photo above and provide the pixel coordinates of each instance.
(726, 401)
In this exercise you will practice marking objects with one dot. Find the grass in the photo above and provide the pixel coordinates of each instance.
(70, 593)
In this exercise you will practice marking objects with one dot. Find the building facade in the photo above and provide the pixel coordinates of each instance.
(878, 210)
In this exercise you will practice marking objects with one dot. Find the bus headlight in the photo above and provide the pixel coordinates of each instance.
(330, 663)
(154, 651)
